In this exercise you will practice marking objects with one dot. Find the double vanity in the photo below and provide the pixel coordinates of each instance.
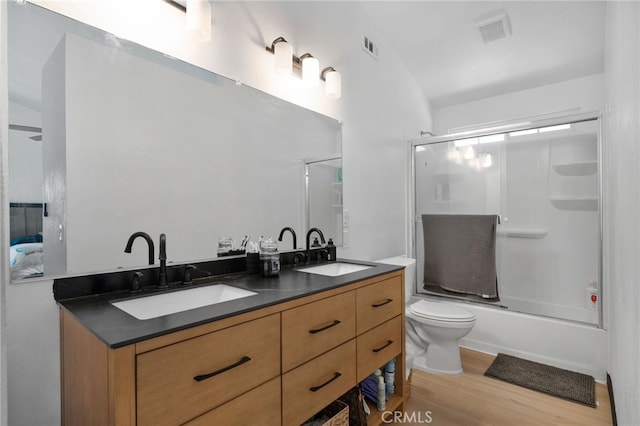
(255, 350)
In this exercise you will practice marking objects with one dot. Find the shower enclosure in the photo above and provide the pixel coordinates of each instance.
(543, 181)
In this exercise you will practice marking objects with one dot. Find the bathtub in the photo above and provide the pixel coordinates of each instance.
(563, 344)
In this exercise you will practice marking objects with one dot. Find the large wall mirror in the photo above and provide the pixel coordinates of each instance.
(108, 138)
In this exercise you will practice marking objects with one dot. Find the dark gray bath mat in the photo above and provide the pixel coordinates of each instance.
(554, 381)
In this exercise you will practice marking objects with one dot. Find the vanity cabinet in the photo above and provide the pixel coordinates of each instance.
(276, 365)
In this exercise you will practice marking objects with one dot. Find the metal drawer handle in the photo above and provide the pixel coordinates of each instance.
(318, 330)
(222, 370)
(383, 346)
(377, 305)
(317, 388)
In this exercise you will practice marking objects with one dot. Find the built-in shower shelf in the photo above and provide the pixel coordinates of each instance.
(585, 204)
(522, 233)
(576, 169)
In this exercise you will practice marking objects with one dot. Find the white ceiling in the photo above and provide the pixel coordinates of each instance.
(551, 41)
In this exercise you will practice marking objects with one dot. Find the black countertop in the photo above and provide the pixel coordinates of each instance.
(116, 328)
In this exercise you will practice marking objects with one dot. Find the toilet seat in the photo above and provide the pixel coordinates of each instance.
(440, 312)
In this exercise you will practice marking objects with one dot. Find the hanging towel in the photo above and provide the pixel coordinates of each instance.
(460, 253)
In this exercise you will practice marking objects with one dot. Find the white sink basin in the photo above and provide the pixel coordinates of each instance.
(170, 303)
(335, 269)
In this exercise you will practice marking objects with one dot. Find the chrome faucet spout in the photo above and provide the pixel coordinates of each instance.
(162, 281)
(293, 234)
(149, 241)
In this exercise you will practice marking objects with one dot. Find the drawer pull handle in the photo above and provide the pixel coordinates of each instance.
(377, 305)
(317, 388)
(318, 330)
(222, 370)
(383, 346)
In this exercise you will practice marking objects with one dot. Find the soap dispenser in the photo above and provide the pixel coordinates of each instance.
(331, 251)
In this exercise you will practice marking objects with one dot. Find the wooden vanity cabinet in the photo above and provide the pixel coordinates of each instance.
(277, 365)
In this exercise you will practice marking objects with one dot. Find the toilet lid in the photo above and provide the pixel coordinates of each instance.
(440, 311)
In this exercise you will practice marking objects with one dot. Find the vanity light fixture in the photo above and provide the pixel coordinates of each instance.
(333, 82)
(283, 53)
(310, 70)
(309, 67)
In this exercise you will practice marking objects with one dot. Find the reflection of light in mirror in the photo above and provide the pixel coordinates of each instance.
(475, 163)
(420, 148)
(454, 156)
(487, 160)
(554, 128)
(469, 153)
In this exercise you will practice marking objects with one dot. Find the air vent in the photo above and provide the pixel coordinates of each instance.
(493, 26)
(370, 47)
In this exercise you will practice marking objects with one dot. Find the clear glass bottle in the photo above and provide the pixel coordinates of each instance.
(269, 258)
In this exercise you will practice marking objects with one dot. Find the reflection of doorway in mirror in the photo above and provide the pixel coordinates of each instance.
(324, 196)
(25, 189)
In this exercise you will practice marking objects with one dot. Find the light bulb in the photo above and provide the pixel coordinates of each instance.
(283, 53)
(333, 88)
(311, 71)
(199, 18)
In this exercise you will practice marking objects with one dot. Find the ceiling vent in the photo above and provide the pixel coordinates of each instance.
(493, 26)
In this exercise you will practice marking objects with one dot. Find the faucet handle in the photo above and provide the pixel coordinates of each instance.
(188, 278)
(135, 282)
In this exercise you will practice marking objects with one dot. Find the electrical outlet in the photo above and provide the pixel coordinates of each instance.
(370, 47)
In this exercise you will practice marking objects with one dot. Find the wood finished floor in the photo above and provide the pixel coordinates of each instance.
(472, 399)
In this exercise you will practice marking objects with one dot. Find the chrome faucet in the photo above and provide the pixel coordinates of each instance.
(293, 233)
(149, 241)
(162, 281)
(311, 231)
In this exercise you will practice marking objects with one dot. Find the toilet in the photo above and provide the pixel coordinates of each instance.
(433, 328)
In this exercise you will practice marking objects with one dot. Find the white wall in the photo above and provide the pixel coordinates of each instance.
(381, 107)
(622, 236)
(579, 95)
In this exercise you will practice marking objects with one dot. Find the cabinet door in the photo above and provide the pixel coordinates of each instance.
(258, 407)
(315, 328)
(376, 347)
(377, 303)
(181, 381)
(314, 385)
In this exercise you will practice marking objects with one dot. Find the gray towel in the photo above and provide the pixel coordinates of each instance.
(460, 253)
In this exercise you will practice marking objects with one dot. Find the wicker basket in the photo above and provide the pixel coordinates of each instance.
(338, 413)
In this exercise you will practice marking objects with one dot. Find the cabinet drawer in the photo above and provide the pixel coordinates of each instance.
(378, 346)
(258, 407)
(377, 303)
(179, 382)
(310, 330)
(314, 385)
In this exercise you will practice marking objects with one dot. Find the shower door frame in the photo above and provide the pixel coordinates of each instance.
(512, 126)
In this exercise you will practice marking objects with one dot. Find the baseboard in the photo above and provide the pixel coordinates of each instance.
(494, 349)
(614, 419)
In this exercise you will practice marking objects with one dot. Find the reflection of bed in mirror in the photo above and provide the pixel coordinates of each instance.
(27, 255)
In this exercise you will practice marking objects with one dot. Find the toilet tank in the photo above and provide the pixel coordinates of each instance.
(409, 273)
